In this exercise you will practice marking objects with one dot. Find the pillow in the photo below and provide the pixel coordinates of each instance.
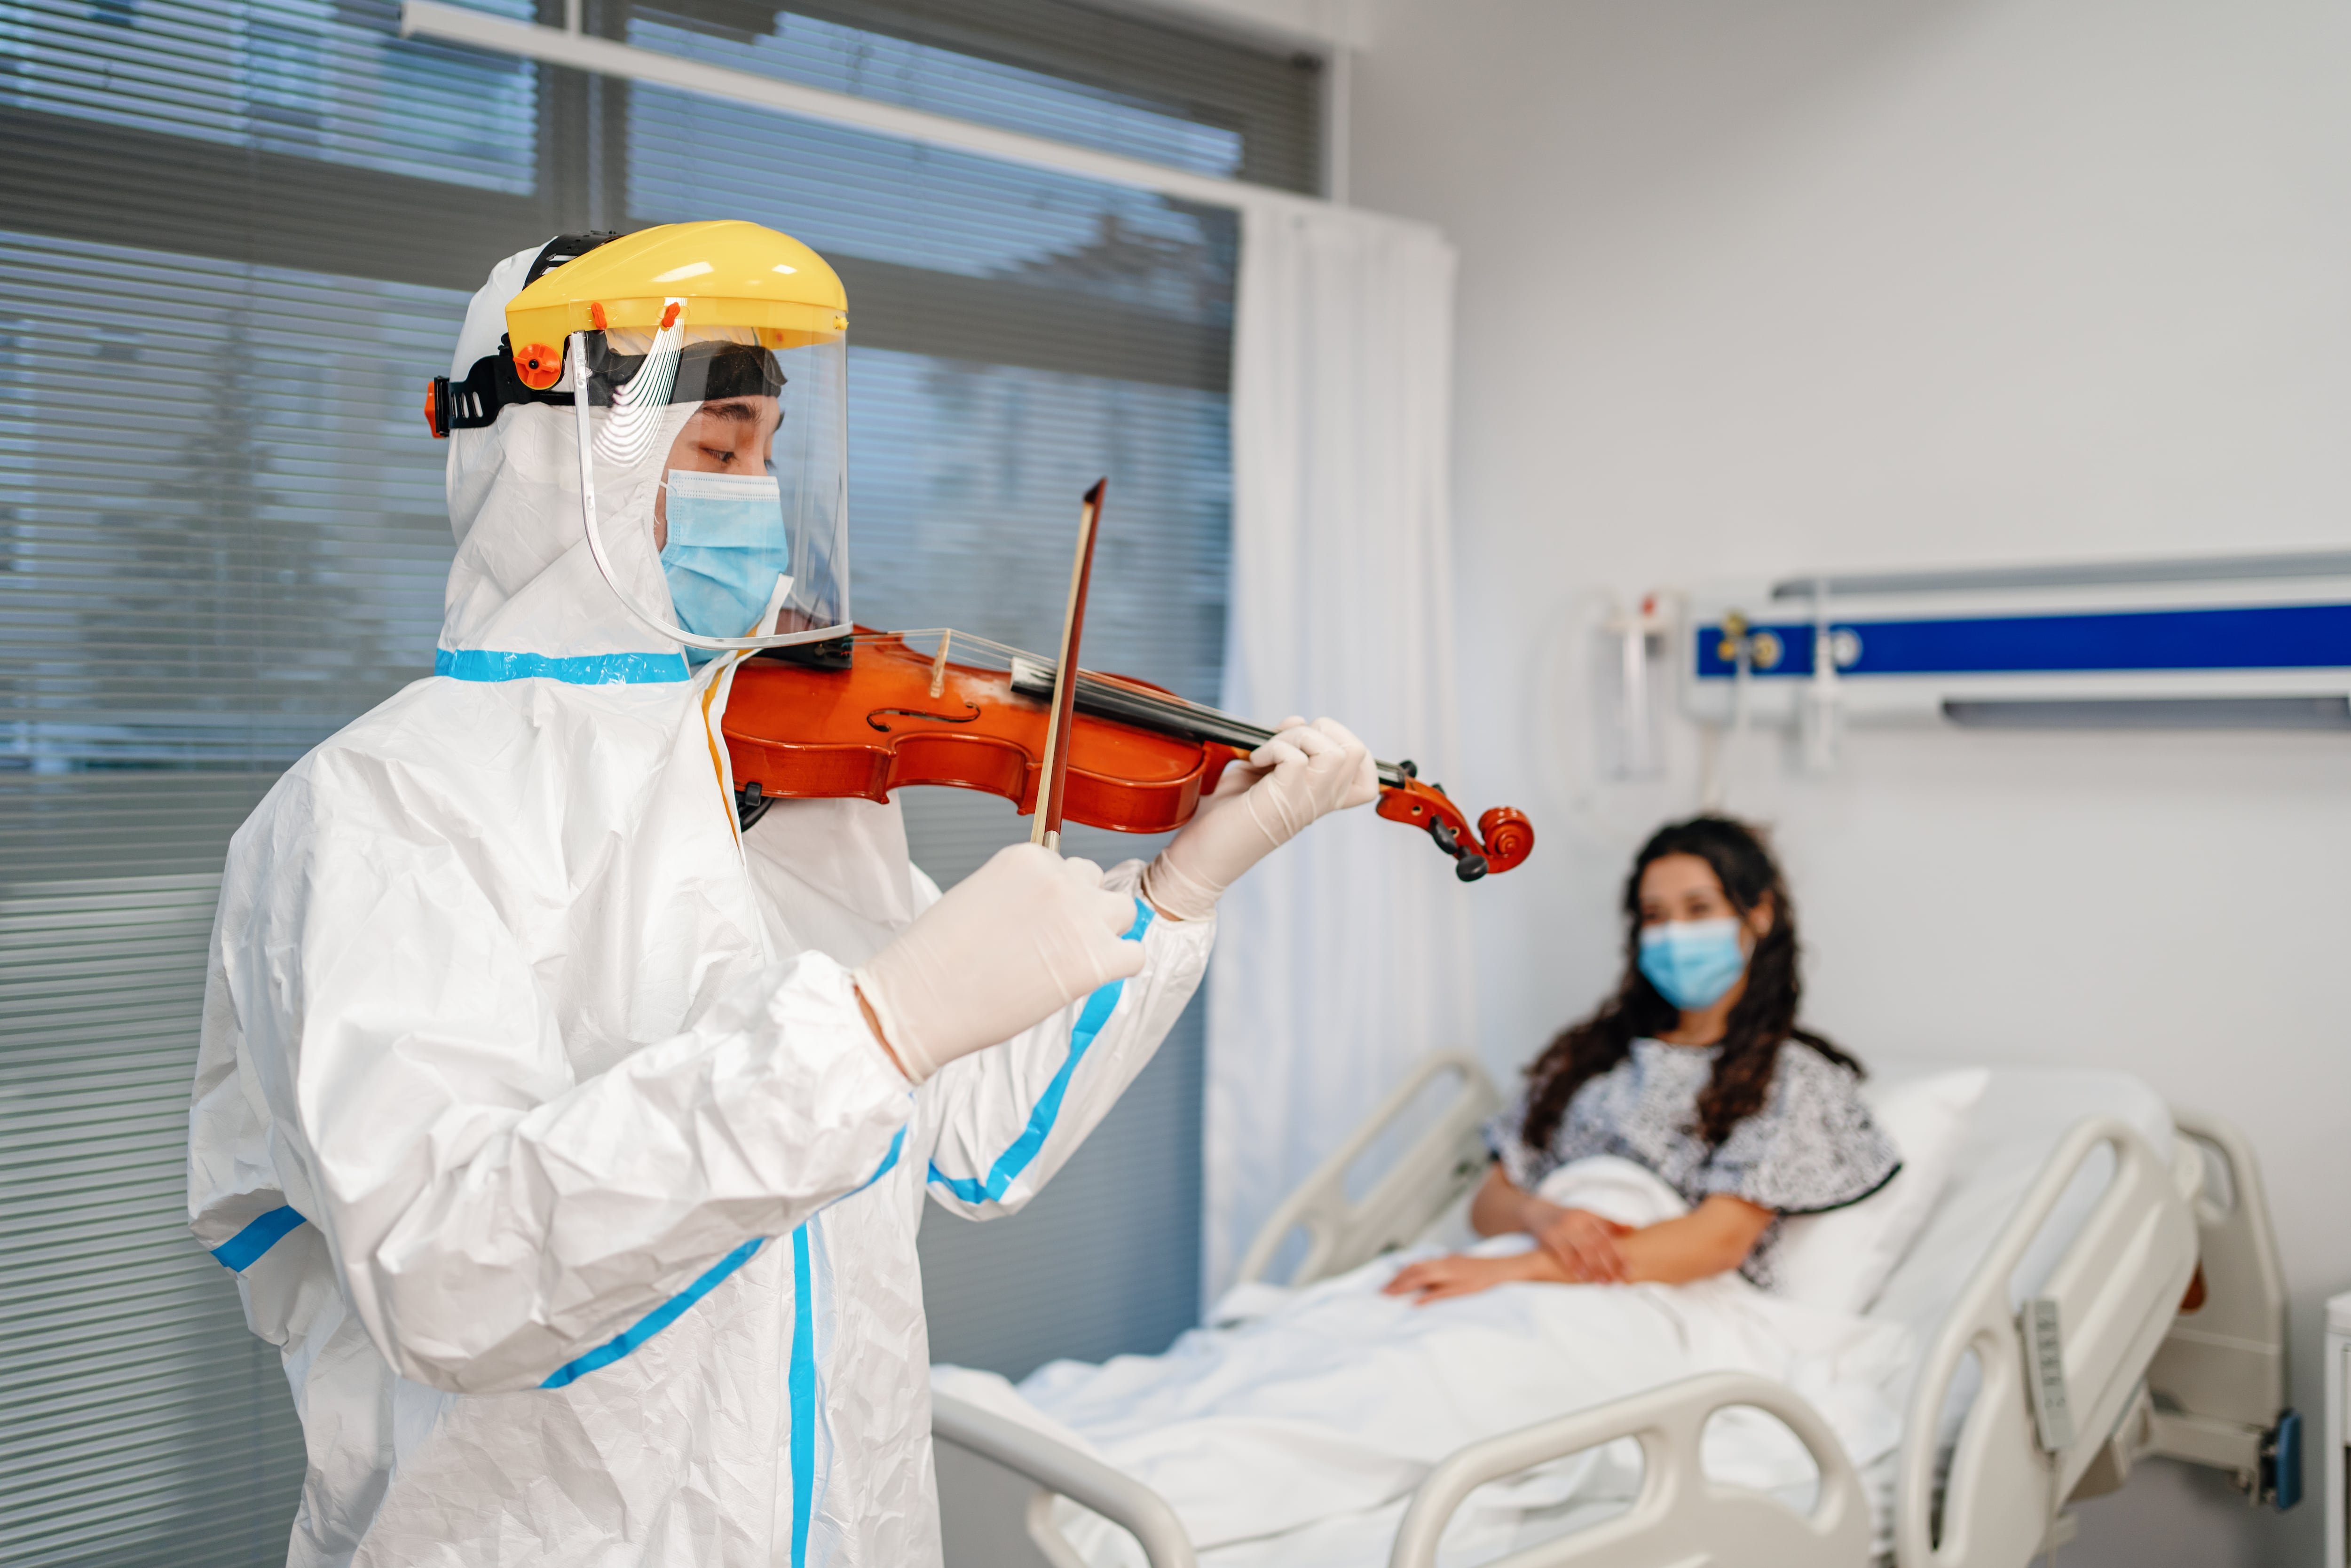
(1840, 1259)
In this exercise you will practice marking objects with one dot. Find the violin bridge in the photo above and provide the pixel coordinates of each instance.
(939, 664)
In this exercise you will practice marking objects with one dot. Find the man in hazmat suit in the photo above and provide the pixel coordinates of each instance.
(569, 1138)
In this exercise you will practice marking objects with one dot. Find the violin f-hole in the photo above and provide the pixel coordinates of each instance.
(874, 718)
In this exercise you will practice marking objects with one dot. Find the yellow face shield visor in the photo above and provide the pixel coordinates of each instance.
(706, 368)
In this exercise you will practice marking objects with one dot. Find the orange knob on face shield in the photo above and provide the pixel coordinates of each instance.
(538, 366)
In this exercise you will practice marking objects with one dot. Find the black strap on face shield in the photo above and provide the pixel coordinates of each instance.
(706, 373)
(474, 404)
(566, 248)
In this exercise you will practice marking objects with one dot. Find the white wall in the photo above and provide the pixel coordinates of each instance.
(1752, 287)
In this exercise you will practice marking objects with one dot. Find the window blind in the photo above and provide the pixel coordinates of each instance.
(139, 1423)
(1120, 82)
(235, 240)
(224, 537)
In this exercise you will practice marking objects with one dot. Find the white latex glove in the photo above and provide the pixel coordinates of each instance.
(1305, 771)
(1008, 946)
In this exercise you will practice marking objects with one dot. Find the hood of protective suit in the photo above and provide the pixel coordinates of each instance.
(527, 599)
(525, 586)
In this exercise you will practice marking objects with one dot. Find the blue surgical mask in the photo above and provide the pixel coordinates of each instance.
(1693, 962)
(727, 549)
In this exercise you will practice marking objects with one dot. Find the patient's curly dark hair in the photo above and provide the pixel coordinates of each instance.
(1763, 1018)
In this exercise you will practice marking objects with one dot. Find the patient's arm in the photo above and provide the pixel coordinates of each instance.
(1502, 1206)
(1584, 1242)
(1459, 1274)
(1712, 1239)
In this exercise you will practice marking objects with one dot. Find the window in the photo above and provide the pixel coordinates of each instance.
(311, 78)
(224, 537)
(238, 237)
(1050, 68)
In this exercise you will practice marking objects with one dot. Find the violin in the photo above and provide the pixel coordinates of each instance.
(874, 711)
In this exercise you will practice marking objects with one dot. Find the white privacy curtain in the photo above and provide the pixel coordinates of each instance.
(1344, 957)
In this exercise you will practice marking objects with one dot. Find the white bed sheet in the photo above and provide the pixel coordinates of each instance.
(2024, 1112)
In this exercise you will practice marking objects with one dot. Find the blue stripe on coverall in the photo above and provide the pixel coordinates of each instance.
(244, 1250)
(653, 1322)
(1016, 1159)
(669, 1312)
(802, 1382)
(578, 670)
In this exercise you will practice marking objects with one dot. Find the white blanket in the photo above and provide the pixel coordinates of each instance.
(1304, 1407)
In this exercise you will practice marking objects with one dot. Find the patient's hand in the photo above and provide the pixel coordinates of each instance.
(1457, 1274)
(1583, 1243)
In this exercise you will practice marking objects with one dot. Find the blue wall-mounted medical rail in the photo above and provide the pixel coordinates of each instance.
(2240, 637)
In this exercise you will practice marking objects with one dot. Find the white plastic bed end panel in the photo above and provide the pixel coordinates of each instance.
(2116, 1288)
(998, 1480)
(2227, 1360)
(1681, 1517)
(1441, 1163)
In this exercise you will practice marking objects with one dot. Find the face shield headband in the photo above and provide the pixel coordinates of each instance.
(754, 513)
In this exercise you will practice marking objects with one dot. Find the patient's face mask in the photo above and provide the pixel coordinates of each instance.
(1693, 962)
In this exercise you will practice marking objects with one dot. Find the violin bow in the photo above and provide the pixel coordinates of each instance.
(1046, 829)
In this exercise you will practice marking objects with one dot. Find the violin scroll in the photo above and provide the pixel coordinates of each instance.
(1503, 838)
(1509, 837)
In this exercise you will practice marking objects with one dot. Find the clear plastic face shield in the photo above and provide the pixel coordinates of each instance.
(714, 478)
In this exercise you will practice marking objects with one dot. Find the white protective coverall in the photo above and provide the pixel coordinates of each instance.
(537, 1116)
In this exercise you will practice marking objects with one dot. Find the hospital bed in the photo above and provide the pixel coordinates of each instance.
(2098, 1284)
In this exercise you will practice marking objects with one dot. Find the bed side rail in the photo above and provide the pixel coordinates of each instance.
(1442, 1162)
(2115, 1291)
(2220, 1377)
(1001, 1522)
(1680, 1517)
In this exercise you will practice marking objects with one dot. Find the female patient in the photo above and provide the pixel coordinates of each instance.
(1696, 1069)
(1294, 1428)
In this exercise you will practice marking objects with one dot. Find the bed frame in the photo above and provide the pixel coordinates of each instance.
(2139, 1376)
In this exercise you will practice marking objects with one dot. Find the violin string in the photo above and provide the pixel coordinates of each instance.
(1179, 712)
(1166, 704)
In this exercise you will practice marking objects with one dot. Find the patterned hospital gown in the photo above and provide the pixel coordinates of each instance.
(1813, 1146)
